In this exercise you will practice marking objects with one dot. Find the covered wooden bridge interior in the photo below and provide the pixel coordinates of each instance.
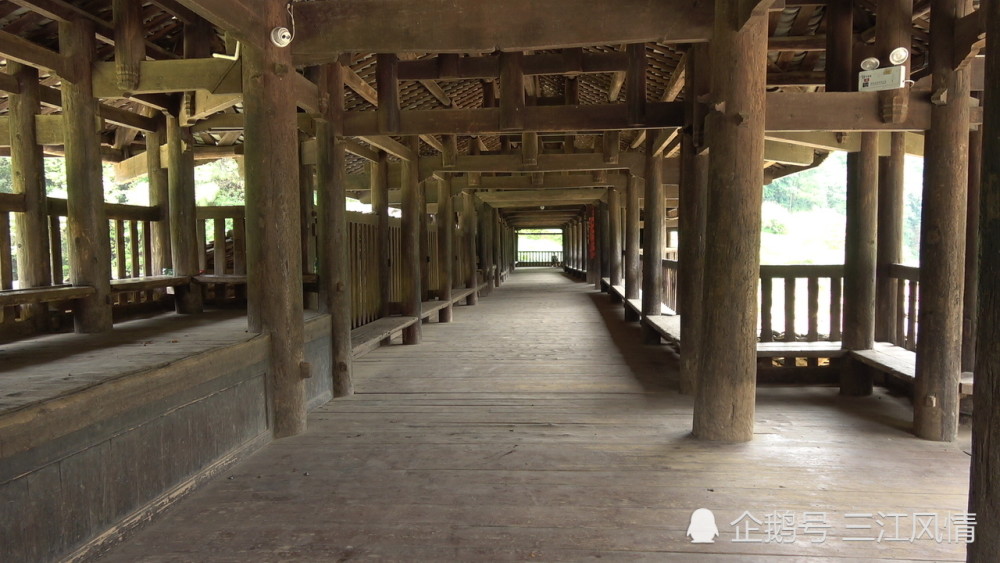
(544, 422)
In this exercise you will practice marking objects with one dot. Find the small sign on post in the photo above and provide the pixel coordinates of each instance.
(888, 78)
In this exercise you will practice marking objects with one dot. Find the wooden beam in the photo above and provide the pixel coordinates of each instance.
(635, 84)
(450, 67)
(970, 38)
(433, 142)
(536, 118)
(217, 76)
(529, 148)
(676, 84)
(177, 10)
(18, 49)
(449, 26)
(391, 146)
(387, 85)
(512, 102)
(663, 138)
(130, 48)
(611, 144)
(242, 20)
(353, 81)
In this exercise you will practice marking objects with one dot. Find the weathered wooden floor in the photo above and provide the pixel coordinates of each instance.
(535, 427)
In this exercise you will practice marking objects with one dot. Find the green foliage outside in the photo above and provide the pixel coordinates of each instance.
(804, 215)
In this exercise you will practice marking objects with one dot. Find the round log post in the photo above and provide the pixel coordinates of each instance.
(410, 243)
(183, 220)
(942, 234)
(691, 223)
(425, 255)
(87, 223)
(970, 293)
(469, 226)
(890, 236)
(859, 264)
(615, 239)
(497, 251)
(28, 177)
(633, 273)
(604, 242)
(274, 268)
(380, 206)
(159, 197)
(445, 232)
(984, 493)
(724, 403)
(334, 241)
(653, 241)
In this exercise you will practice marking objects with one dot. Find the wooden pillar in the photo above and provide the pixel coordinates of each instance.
(859, 264)
(469, 226)
(486, 244)
(497, 247)
(425, 261)
(615, 241)
(184, 244)
(274, 268)
(652, 243)
(387, 86)
(307, 189)
(512, 100)
(633, 274)
(890, 236)
(942, 234)
(28, 177)
(724, 404)
(604, 241)
(445, 232)
(334, 241)
(410, 244)
(159, 197)
(984, 494)
(130, 47)
(593, 247)
(970, 309)
(692, 219)
(635, 83)
(380, 206)
(87, 223)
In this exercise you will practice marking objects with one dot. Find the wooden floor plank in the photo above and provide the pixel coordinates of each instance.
(536, 426)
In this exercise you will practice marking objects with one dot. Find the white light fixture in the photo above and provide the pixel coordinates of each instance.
(899, 56)
(281, 36)
(871, 63)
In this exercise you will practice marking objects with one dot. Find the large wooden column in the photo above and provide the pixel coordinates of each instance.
(970, 309)
(469, 227)
(380, 207)
(184, 245)
(159, 196)
(692, 220)
(87, 223)
(497, 252)
(633, 274)
(890, 236)
(486, 244)
(603, 243)
(28, 177)
(425, 263)
(984, 493)
(445, 233)
(942, 234)
(724, 405)
(334, 241)
(859, 264)
(274, 262)
(653, 241)
(410, 244)
(615, 239)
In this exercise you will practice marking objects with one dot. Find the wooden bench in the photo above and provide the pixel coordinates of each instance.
(148, 283)
(366, 338)
(13, 297)
(819, 349)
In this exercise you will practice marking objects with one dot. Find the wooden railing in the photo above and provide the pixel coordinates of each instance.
(670, 282)
(539, 257)
(907, 304)
(221, 234)
(825, 281)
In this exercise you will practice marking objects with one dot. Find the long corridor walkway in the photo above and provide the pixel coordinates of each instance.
(537, 427)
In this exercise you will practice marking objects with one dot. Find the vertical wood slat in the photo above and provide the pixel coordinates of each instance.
(836, 308)
(789, 310)
(6, 264)
(120, 268)
(900, 320)
(134, 256)
(813, 289)
(201, 225)
(147, 254)
(55, 249)
(911, 316)
(766, 302)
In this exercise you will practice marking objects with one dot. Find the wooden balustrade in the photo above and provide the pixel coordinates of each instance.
(820, 280)
(670, 282)
(907, 304)
(223, 266)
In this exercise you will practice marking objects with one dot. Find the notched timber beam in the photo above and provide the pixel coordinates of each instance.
(234, 16)
(217, 76)
(18, 49)
(326, 27)
(389, 145)
(970, 38)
